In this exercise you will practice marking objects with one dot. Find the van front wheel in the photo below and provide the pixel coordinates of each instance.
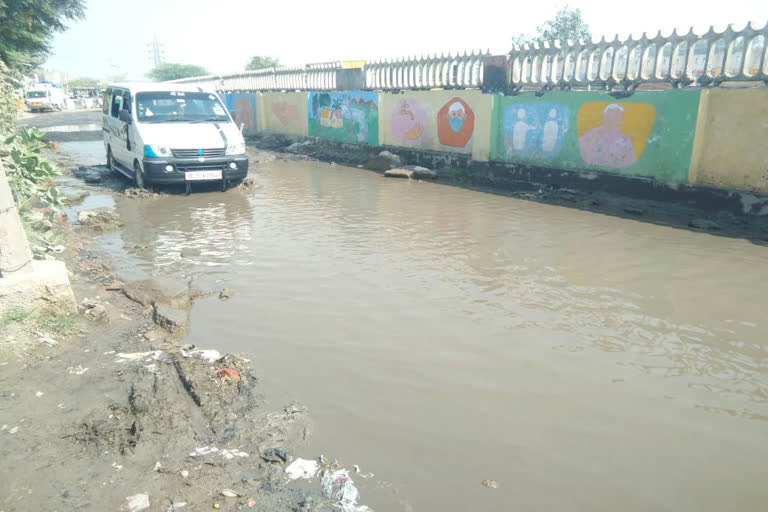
(138, 175)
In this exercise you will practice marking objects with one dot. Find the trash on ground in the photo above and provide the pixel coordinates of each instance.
(274, 455)
(39, 394)
(227, 453)
(302, 468)
(491, 484)
(122, 357)
(209, 355)
(230, 373)
(77, 370)
(339, 486)
(48, 341)
(177, 506)
(229, 493)
(136, 503)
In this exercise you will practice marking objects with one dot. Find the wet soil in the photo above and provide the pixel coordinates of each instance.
(100, 407)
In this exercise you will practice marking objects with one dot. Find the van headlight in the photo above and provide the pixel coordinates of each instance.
(237, 148)
(156, 151)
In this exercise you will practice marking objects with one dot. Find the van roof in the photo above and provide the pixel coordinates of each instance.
(135, 87)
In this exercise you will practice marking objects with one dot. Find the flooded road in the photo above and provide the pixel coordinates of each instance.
(443, 336)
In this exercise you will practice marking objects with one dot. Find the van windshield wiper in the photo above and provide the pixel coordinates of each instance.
(208, 120)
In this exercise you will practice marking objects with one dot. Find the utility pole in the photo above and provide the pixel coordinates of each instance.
(15, 255)
(156, 51)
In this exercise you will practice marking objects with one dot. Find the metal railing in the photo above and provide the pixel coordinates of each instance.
(447, 72)
(676, 60)
(680, 60)
(312, 77)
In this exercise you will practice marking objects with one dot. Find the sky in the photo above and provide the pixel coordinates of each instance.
(221, 35)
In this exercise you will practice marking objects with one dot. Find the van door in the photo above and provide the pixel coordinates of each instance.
(128, 130)
(115, 126)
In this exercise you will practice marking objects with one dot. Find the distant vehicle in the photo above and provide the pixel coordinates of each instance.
(171, 133)
(42, 96)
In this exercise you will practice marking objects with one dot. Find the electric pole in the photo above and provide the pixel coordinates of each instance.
(156, 51)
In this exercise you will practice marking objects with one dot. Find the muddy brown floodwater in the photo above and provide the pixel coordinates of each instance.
(441, 337)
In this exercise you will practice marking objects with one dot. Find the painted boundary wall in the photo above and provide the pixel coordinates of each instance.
(649, 134)
(710, 137)
(731, 148)
(283, 112)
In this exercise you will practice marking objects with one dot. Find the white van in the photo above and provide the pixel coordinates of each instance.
(161, 133)
(45, 96)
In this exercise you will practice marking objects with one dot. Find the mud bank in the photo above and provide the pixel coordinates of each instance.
(718, 212)
(110, 410)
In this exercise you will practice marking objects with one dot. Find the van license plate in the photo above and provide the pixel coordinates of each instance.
(37, 104)
(202, 175)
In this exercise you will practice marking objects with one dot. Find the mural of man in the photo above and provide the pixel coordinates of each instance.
(456, 116)
(455, 124)
(520, 131)
(607, 145)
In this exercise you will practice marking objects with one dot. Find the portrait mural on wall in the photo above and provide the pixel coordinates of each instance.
(455, 123)
(614, 134)
(409, 122)
(535, 130)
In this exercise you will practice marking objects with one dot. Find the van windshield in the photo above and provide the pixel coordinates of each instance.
(171, 106)
(36, 94)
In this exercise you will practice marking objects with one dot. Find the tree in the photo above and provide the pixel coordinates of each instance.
(171, 71)
(84, 81)
(258, 62)
(567, 25)
(27, 27)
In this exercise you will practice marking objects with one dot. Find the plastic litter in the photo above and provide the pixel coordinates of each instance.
(122, 357)
(177, 506)
(229, 493)
(77, 370)
(302, 468)
(251, 502)
(209, 355)
(48, 341)
(184, 473)
(491, 484)
(136, 503)
(39, 394)
(157, 467)
(339, 486)
(230, 373)
(227, 453)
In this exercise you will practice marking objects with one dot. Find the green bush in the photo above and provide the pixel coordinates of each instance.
(29, 172)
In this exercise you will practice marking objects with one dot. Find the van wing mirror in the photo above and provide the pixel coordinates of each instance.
(124, 116)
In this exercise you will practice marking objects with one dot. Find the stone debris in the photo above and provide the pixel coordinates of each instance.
(491, 484)
(99, 219)
(173, 320)
(399, 173)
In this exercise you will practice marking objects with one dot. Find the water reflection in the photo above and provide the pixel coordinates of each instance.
(212, 229)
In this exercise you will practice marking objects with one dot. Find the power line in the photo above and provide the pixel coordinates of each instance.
(156, 51)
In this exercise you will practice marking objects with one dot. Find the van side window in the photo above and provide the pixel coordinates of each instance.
(105, 102)
(127, 101)
(116, 103)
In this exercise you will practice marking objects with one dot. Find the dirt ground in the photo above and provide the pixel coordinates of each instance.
(108, 408)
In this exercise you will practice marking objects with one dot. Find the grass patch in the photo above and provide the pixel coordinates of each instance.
(13, 316)
(63, 325)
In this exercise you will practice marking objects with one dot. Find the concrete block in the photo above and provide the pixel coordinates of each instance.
(45, 287)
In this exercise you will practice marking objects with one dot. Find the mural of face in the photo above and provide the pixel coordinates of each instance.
(456, 116)
(455, 124)
(612, 116)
